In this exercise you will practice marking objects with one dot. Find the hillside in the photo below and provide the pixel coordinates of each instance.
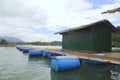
(11, 39)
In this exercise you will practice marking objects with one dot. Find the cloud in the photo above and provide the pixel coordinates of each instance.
(117, 1)
(21, 13)
(27, 34)
(37, 20)
(19, 18)
(78, 6)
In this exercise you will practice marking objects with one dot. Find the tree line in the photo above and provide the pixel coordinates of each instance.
(3, 42)
(44, 43)
(116, 37)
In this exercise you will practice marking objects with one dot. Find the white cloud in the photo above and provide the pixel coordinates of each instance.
(78, 6)
(26, 34)
(117, 1)
(20, 12)
(20, 18)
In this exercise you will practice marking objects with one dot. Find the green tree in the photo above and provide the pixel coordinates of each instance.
(116, 37)
(3, 42)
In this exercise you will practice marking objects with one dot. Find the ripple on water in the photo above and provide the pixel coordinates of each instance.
(15, 65)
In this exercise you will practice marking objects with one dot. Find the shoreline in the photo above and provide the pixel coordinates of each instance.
(9, 45)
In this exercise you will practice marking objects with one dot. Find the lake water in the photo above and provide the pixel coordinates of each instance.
(14, 65)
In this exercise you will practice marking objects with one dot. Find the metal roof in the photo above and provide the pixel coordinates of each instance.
(86, 26)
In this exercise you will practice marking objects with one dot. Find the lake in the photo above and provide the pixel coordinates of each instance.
(14, 65)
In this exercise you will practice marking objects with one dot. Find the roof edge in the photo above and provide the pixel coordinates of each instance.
(85, 26)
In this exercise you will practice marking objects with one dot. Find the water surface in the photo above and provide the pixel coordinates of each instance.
(14, 65)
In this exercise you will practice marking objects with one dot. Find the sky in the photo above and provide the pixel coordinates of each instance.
(38, 20)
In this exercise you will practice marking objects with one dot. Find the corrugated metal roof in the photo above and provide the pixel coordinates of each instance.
(86, 26)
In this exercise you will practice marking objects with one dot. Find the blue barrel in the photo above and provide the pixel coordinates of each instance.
(25, 50)
(64, 63)
(52, 54)
(19, 48)
(35, 53)
(95, 62)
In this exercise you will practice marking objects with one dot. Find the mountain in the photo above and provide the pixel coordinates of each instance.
(11, 39)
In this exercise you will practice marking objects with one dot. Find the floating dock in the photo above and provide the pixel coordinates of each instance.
(109, 57)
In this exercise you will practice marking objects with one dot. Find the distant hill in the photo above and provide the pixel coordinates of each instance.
(11, 39)
(0, 38)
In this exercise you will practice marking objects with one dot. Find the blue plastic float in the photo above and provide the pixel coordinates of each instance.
(19, 48)
(95, 62)
(24, 50)
(35, 53)
(64, 63)
(51, 55)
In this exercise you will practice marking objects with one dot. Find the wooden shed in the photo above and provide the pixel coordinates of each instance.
(92, 37)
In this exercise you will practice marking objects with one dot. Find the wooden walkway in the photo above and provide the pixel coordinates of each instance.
(112, 57)
(109, 57)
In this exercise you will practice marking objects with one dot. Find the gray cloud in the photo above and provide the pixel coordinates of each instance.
(23, 18)
(22, 11)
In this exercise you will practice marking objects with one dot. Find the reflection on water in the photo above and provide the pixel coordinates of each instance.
(115, 72)
(34, 60)
(98, 72)
(68, 75)
(86, 72)
(15, 65)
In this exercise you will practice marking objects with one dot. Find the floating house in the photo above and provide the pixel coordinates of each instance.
(92, 37)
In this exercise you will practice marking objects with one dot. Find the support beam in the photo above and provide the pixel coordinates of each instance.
(112, 11)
